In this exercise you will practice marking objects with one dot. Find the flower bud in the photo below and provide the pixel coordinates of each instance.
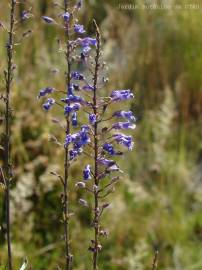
(80, 185)
(83, 202)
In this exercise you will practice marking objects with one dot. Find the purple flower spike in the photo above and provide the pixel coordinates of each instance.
(120, 95)
(48, 19)
(123, 125)
(87, 173)
(79, 28)
(123, 114)
(74, 119)
(92, 119)
(66, 16)
(49, 103)
(45, 91)
(77, 76)
(99, 136)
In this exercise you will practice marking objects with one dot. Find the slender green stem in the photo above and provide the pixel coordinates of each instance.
(96, 180)
(8, 167)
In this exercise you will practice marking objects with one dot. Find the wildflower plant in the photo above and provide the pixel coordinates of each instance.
(105, 143)
(76, 48)
(7, 173)
(99, 137)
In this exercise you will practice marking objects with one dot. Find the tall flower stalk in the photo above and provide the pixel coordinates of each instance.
(96, 147)
(99, 137)
(75, 51)
(66, 149)
(8, 73)
(103, 139)
(9, 76)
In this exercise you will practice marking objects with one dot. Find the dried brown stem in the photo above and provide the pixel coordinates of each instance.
(155, 261)
(68, 256)
(8, 167)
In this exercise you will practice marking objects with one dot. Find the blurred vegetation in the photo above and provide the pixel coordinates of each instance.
(158, 204)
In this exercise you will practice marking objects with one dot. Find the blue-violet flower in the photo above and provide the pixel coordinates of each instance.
(120, 95)
(92, 119)
(87, 172)
(124, 114)
(45, 91)
(49, 103)
(77, 76)
(109, 148)
(79, 28)
(66, 16)
(123, 125)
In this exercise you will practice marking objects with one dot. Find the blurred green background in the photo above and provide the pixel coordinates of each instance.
(158, 204)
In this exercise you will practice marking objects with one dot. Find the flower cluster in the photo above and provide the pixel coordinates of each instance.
(104, 141)
(71, 103)
(78, 141)
(83, 99)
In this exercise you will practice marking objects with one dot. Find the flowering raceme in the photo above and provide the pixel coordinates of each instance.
(104, 143)
(76, 136)
(92, 131)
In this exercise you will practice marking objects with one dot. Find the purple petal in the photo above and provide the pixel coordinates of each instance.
(123, 125)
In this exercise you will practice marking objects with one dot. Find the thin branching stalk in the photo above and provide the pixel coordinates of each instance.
(8, 167)
(66, 164)
(69, 109)
(65, 5)
(155, 260)
(96, 180)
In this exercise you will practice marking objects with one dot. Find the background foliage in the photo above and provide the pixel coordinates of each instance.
(158, 203)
